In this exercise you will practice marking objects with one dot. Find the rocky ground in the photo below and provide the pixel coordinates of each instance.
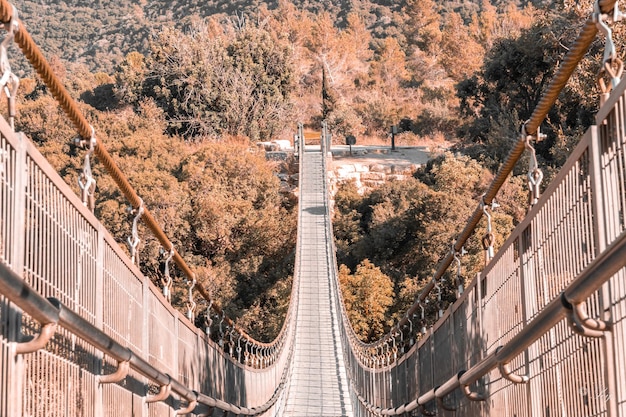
(371, 166)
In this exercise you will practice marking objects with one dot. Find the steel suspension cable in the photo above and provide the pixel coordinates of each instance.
(71, 109)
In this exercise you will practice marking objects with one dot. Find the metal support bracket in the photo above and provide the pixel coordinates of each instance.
(122, 370)
(38, 342)
(164, 392)
(190, 407)
(471, 395)
(442, 405)
(580, 322)
(507, 373)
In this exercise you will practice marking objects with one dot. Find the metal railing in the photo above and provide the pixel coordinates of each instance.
(108, 343)
(50, 238)
(554, 266)
(263, 352)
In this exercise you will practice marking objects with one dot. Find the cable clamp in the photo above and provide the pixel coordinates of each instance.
(612, 66)
(86, 181)
(9, 82)
(535, 175)
(167, 280)
(133, 240)
(209, 320)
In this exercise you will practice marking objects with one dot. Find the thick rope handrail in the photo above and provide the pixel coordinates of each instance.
(70, 107)
(548, 98)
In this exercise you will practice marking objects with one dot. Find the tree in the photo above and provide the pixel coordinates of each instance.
(509, 86)
(367, 296)
(213, 85)
(461, 55)
(329, 101)
(423, 25)
(389, 66)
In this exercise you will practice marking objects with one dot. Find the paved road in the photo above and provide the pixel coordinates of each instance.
(318, 386)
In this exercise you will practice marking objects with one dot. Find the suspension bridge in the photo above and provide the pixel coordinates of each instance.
(540, 332)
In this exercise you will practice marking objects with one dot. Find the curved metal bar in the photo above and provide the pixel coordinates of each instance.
(190, 407)
(574, 320)
(38, 342)
(471, 395)
(121, 373)
(443, 406)
(580, 315)
(164, 392)
(507, 373)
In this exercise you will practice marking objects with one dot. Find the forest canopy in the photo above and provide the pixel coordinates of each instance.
(180, 92)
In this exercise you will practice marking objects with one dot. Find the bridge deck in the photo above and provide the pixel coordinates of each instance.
(318, 384)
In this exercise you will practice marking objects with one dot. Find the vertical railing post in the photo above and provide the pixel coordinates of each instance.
(323, 139)
(145, 335)
(301, 142)
(16, 367)
(99, 317)
(599, 225)
(529, 308)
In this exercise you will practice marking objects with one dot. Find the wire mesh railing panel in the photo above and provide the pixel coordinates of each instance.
(214, 381)
(188, 364)
(502, 305)
(559, 242)
(563, 368)
(468, 340)
(505, 398)
(613, 167)
(159, 409)
(162, 335)
(56, 387)
(123, 294)
(367, 379)
(235, 391)
(426, 366)
(411, 381)
(7, 200)
(442, 353)
(119, 401)
(618, 314)
(60, 244)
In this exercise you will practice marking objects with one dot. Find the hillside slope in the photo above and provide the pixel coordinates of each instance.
(99, 33)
